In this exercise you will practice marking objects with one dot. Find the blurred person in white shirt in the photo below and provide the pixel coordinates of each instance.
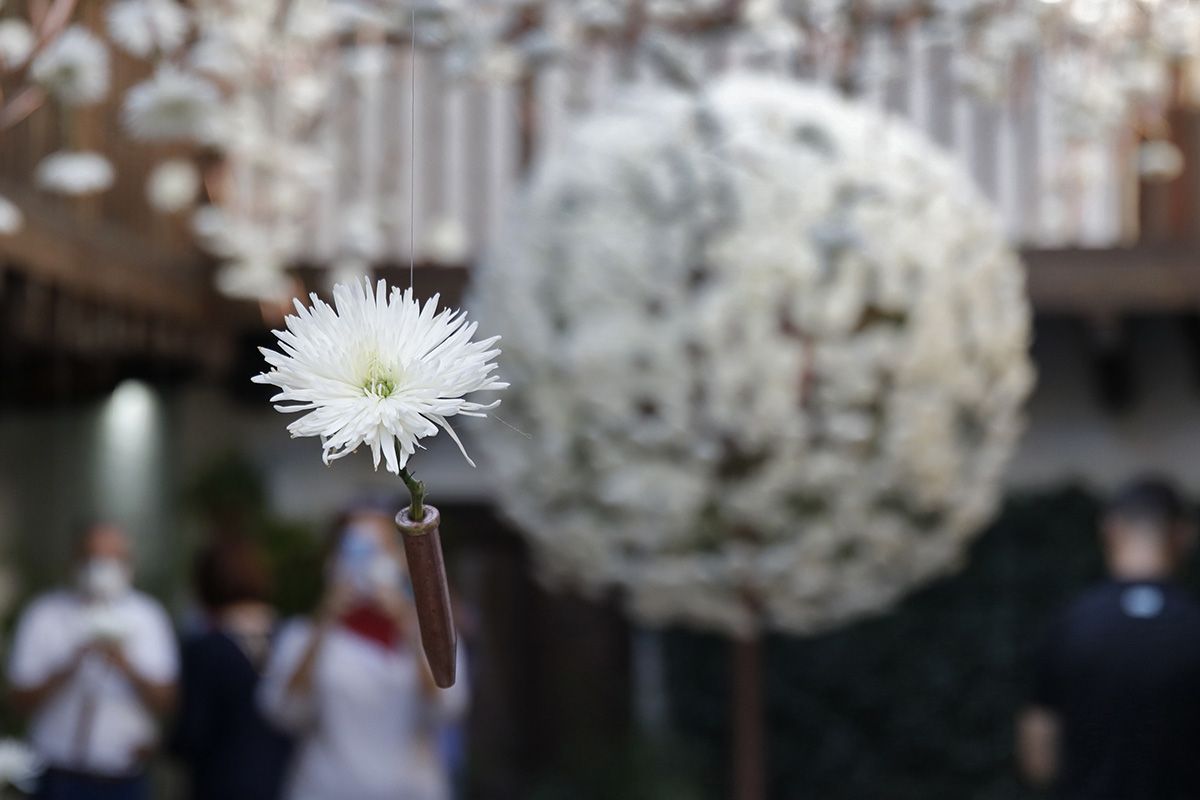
(352, 683)
(93, 665)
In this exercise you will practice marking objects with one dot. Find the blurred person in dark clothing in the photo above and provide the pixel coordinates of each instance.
(93, 665)
(1115, 709)
(230, 751)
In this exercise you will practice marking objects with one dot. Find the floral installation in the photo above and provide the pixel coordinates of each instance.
(172, 106)
(252, 82)
(74, 68)
(770, 350)
(75, 173)
(381, 370)
(145, 28)
(11, 218)
(173, 185)
(1106, 62)
(48, 56)
(16, 43)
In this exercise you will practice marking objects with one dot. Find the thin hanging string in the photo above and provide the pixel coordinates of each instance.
(412, 155)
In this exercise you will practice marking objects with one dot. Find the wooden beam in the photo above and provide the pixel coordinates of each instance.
(1148, 278)
(97, 259)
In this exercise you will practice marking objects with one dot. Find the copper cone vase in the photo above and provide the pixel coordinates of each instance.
(431, 593)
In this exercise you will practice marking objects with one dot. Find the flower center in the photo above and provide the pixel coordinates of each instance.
(380, 382)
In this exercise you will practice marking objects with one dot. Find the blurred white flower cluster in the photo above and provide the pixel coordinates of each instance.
(769, 348)
(1102, 59)
(19, 766)
(49, 57)
(259, 84)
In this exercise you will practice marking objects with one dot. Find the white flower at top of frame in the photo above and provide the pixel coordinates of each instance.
(448, 242)
(677, 9)
(141, 27)
(16, 42)
(172, 105)
(262, 279)
(310, 20)
(306, 94)
(368, 61)
(599, 13)
(1160, 160)
(75, 173)
(74, 67)
(19, 765)
(11, 218)
(173, 185)
(361, 234)
(759, 12)
(216, 56)
(378, 369)
(214, 230)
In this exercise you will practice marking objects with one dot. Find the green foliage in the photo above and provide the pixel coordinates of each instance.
(916, 704)
(229, 496)
(228, 485)
(295, 554)
(636, 770)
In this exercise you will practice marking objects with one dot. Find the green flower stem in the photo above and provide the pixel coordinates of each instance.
(416, 510)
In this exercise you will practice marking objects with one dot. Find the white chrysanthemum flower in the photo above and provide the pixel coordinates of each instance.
(173, 185)
(16, 42)
(172, 105)
(142, 27)
(19, 765)
(74, 67)
(11, 218)
(379, 369)
(75, 173)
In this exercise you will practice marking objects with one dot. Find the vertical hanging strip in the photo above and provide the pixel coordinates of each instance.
(412, 152)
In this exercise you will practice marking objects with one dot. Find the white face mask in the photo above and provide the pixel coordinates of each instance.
(104, 578)
(365, 566)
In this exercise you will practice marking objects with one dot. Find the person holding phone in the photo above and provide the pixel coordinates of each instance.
(351, 683)
(94, 665)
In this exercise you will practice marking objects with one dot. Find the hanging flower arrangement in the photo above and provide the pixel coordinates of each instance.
(379, 370)
(770, 350)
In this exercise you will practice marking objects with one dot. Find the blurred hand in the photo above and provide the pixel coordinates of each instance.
(110, 651)
(339, 598)
(397, 605)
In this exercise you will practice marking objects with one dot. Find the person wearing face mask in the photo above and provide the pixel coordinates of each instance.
(352, 684)
(93, 665)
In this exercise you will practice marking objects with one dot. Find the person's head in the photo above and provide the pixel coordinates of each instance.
(103, 561)
(1147, 530)
(364, 550)
(231, 572)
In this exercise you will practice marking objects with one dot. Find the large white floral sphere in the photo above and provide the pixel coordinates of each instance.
(769, 351)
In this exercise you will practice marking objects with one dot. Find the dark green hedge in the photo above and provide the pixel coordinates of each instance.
(914, 705)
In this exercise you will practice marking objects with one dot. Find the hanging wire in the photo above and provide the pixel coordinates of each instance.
(412, 155)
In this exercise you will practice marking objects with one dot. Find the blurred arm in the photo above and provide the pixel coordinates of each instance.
(286, 691)
(41, 661)
(300, 681)
(1038, 745)
(28, 699)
